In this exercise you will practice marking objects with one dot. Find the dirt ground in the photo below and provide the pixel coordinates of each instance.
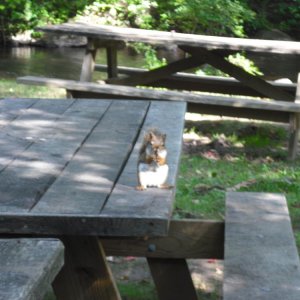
(207, 275)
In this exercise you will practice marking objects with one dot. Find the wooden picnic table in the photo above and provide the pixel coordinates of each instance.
(68, 169)
(200, 49)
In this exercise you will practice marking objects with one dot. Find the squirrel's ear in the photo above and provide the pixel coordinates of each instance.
(148, 136)
(164, 136)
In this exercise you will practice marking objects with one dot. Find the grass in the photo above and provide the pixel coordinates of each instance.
(10, 89)
(241, 156)
(137, 290)
(146, 291)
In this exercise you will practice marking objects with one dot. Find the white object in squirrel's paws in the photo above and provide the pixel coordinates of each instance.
(152, 175)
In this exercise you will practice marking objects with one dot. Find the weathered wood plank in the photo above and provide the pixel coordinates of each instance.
(47, 162)
(113, 33)
(18, 133)
(33, 171)
(186, 239)
(172, 279)
(191, 82)
(80, 224)
(237, 72)
(9, 113)
(28, 267)
(261, 260)
(134, 93)
(219, 110)
(86, 274)
(97, 164)
(158, 73)
(240, 112)
(127, 202)
(20, 113)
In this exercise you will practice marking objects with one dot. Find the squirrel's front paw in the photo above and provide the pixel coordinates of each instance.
(140, 188)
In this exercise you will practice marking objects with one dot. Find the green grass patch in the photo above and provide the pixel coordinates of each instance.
(252, 135)
(135, 291)
(147, 291)
(202, 182)
(241, 156)
(10, 89)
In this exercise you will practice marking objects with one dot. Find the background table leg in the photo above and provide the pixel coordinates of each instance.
(294, 136)
(112, 61)
(88, 64)
(172, 279)
(85, 275)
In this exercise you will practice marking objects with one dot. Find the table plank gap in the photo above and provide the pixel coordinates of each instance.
(53, 179)
(127, 157)
(95, 175)
(91, 175)
(18, 134)
(9, 112)
(33, 170)
(125, 202)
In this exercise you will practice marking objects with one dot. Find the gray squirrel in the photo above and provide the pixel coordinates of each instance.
(152, 163)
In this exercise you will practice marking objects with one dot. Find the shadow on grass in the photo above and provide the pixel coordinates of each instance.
(235, 138)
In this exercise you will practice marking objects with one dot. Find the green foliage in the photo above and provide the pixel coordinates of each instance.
(218, 17)
(133, 13)
(152, 61)
(150, 54)
(19, 15)
(203, 180)
(238, 59)
(275, 14)
(133, 291)
(242, 61)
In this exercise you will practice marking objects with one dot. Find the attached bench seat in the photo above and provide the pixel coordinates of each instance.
(28, 267)
(271, 110)
(211, 84)
(260, 259)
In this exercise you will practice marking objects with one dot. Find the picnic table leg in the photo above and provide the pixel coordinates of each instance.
(294, 136)
(88, 64)
(172, 279)
(112, 64)
(258, 84)
(294, 126)
(85, 275)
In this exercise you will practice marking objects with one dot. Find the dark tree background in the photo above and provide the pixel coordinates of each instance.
(239, 18)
